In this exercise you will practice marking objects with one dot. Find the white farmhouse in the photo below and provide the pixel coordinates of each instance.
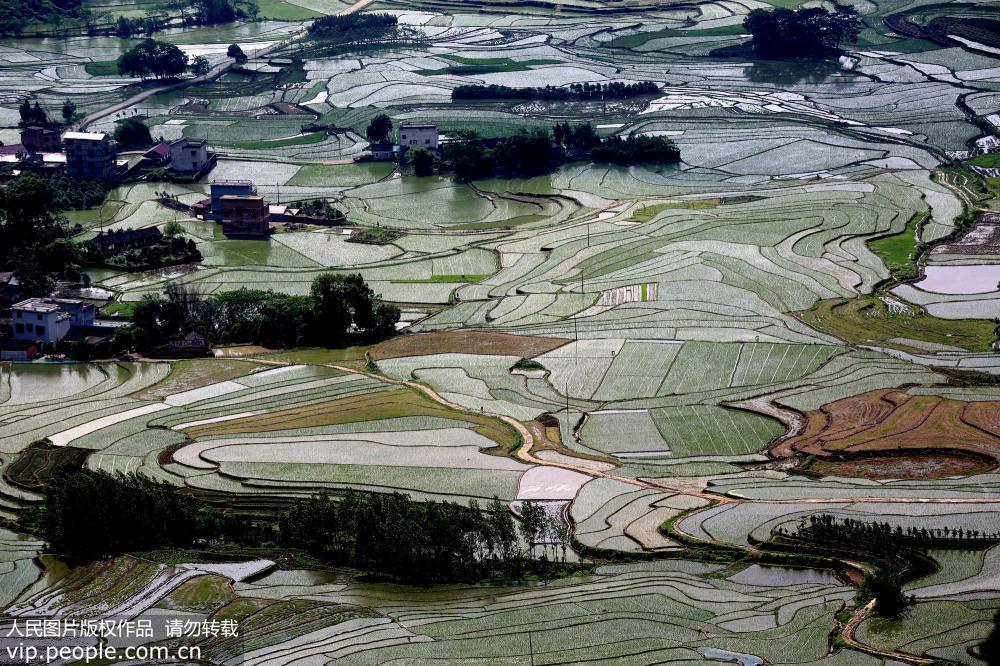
(188, 154)
(418, 135)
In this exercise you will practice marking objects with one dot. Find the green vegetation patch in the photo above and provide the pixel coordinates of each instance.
(300, 140)
(866, 319)
(647, 213)
(102, 68)
(899, 250)
(318, 175)
(445, 278)
(280, 10)
(119, 308)
(470, 66)
(990, 160)
(640, 39)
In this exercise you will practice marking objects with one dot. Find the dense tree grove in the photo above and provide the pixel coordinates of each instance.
(34, 239)
(340, 309)
(614, 90)
(636, 149)
(139, 25)
(782, 33)
(224, 11)
(16, 15)
(132, 133)
(525, 153)
(353, 26)
(168, 251)
(153, 58)
(529, 153)
(419, 541)
(89, 514)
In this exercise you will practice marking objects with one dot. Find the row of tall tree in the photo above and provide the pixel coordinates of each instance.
(423, 541)
(574, 91)
(88, 514)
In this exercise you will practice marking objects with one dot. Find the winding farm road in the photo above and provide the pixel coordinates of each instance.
(212, 74)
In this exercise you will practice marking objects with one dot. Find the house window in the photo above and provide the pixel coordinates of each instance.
(39, 317)
(40, 330)
(19, 328)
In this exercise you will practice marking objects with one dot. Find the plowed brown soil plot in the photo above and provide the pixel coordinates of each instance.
(943, 437)
(905, 466)
(466, 342)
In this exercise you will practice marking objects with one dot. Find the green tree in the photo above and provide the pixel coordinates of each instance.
(423, 162)
(34, 238)
(132, 133)
(173, 228)
(885, 585)
(989, 650)
(236, 53)
(200, 66)
(68, 111)
(533, 520)
(153, 58)
(379, 128)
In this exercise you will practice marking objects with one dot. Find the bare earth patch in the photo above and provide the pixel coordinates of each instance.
(466, 342)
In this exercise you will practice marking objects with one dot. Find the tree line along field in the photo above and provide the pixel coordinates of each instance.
(675, 361)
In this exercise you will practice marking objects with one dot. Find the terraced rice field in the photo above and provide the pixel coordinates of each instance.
(633, 346)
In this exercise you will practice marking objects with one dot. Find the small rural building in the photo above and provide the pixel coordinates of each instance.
(188, 155)
(44, 164)
(192, 344)
(158, 155)
(223, 188)
(383, 151)
(91, 155)
(116, 241)
(18, 350)
(245, 216)
(49, 319)
(418, 135)
(40, 140)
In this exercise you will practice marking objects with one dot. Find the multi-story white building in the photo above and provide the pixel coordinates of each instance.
(188, 154)
(90, 155)
(418, 135)
(49, 319)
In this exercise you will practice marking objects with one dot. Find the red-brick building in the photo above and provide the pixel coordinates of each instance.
(245, 215)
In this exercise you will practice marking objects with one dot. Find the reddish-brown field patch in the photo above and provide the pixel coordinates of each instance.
(466, 342)
(924, 436)
(929, 465)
